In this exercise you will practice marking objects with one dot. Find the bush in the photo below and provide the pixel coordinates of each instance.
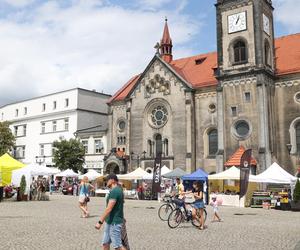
(23, 185)
(296, 196)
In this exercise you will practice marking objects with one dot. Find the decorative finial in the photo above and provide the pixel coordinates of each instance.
(166, 19)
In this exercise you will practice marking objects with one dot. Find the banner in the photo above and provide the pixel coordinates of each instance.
(156, 176)
(245, 171)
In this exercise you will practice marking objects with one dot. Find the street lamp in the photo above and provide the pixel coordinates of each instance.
(40, 159)
(289, 147)
(138, 157)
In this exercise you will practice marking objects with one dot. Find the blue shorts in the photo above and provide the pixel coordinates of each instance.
(198, 204)
(112, 235)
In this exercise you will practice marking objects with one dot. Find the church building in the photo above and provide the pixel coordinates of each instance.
(201, 110)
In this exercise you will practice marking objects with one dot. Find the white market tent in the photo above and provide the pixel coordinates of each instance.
(29, 171)
(232, 173)
(165, 170)
(138, 174)
(67, 173)
(274, 174)
(91, 175)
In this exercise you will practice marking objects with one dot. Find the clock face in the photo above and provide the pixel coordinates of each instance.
(266, 22)
(237, 22)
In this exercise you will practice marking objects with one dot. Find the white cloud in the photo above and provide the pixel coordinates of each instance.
(87, 44)
(18, 3)
(287, 13)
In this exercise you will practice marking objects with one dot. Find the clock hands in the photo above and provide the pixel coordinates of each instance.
(237, 20)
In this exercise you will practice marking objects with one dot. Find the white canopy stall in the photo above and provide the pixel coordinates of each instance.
(91, 175)
(67, 173)
(274, 174)
(138, 174)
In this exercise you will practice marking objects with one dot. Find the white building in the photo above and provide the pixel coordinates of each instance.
(94, 140)
(38, 122)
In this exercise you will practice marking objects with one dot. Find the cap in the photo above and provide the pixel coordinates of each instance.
(111, 177)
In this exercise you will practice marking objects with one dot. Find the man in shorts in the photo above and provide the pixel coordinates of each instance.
(112, 215)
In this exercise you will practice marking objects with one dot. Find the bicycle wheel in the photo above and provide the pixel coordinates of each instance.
(195, 221)
(164, 211)
(175, 218)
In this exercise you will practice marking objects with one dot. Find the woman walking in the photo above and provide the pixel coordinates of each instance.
(84, 189)
(198, 204)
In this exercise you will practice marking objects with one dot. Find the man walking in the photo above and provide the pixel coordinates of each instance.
(113, 216)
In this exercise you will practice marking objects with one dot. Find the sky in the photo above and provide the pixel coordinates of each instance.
(52, 45)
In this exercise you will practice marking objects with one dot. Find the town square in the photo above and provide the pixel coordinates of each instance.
(150, 124)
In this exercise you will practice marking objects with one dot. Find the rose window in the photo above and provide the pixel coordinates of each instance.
(159, 116)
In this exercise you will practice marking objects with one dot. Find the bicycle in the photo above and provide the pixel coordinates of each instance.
(182, 214)
(166, 208)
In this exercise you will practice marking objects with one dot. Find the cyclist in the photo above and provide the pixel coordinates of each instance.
(179, 189)
(199, 203)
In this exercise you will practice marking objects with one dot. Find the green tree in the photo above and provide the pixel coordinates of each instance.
(296, 196)
(7, 139)
(22, 185)
(68, 154)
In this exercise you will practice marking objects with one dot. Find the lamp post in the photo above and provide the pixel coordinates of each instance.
(138, 157)
(40, 159)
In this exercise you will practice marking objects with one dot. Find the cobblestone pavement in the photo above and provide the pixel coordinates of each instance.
(56, 225)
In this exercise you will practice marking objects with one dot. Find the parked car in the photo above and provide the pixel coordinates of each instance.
(68, 189)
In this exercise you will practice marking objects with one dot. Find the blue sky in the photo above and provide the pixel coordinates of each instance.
(52, 45)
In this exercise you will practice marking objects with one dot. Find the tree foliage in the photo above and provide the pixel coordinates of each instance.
(68, 154)
(296, 196)
(7, 139)
(22, 185)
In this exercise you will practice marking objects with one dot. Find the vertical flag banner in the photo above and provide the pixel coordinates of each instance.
(156, 176)
(245, 171)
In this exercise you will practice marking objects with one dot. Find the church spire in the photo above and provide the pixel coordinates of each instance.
(166, 44)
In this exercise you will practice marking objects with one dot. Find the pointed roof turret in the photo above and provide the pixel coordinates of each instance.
(166, 44)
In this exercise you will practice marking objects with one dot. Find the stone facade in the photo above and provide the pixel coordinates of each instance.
(249, 105)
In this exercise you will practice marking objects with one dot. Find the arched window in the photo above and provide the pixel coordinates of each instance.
(158, 143)
(150, 148)
(213, 142)
(298, 136)
(166, 145)
(267, 53)
(240, 52)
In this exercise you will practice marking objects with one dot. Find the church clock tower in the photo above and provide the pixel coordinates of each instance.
(245, 39)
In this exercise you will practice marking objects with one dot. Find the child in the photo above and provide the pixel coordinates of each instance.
(214, 204)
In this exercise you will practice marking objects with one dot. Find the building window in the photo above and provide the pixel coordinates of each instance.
(298, 137)
(247, 97)
(241, 129)
(17, 113)
(212, 108)
(98, 146)
(158, 143)
(213, 142)
(267, 53)
(42, 149)
(85, 146)
(44, 107)
(150, 148)
(43, 127)
(121, 126)
(54, 126)
(54, 105)
(297, 97)
(240, 52)
(166, 147)
(67, 102)
(16, 130)
(24, 130)
(19, 152)
(67, 124)
(25, 111)
(159, 115)
(234, 111)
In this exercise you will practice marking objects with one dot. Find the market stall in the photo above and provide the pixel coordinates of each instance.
(91, 175)
(69, 173)
(7, 165)
(176, 173)
(138, 174)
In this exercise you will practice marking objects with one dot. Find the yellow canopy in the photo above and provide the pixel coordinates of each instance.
(7, 165)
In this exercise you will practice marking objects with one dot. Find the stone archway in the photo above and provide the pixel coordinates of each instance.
(112, 168)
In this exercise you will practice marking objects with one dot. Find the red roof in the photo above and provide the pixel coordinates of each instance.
(287, 50)
(235, 159)
(198, 70)
(166, 38)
